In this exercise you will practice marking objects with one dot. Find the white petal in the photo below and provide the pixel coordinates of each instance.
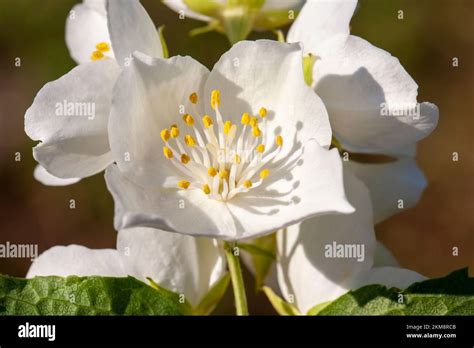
(188, 212)
(305, 272)
(180, 7)
(183, 264)
(302, 187)
(48, 179)
(86, 26)
(400, 278)
(132, 29)
(320, 20)
(80, 261)
(264, 73)
(356, 80)
(74, 142)
(152, 90)
(390, 182)
(384, 257)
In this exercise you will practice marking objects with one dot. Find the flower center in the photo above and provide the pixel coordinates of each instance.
(100, 49)
(219, 158)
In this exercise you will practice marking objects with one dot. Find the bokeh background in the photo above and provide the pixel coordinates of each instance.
(426, 40)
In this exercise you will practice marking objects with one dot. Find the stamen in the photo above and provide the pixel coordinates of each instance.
(264, 173)
(174, 131)
(254, 122)
(193, 98)
(256, 132)
(167, 152)
(224, 174)
(279, 140)
(212, 171)
(260, 148)
(97, 55)
(227, 126)
(247, 184)
(103, 47)
(207, 120)
(185, 158)
(245, 119)
(215, 99)
(188, 119)
(165, 135)
(206, 189)
(184, 184)
(237, 159)
(189, 140)
(262, 112)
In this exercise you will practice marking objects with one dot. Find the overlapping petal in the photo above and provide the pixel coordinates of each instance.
(304, 272)
(394, 187)
(320, 20)
(131, 29)
(69, 116)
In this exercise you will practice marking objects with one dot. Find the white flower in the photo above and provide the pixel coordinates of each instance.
(237, 18)
(233, 153)
(310, 270)
(183, 264)
(70, 115)
(360, 84)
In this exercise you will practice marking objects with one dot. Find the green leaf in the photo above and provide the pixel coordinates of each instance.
(281, 306)
(318, 308)
(212, 298)
(451, 295)
(263, 252)
(82, 296)
(180, 299)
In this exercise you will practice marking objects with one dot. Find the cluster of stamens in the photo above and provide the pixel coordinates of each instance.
(100, 49)
(220, 158)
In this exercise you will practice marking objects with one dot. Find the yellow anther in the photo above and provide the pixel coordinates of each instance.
(247, 184)
(207, 120)
(224, 174)
(188, 119)
(193, 98)
(260, 148)
(227, 126)
(184, 184)
(167, 152)
(256, 132)
(189, 140)
(174, 131)
(103, 47)
(245, 118)
(262, 112)
(215, 98)
(237, 159)
(97, 55)
(254, 122)
(185, 158)
(279, 140)
(212, 171)
(264, 173)
(206, 189)
(165, 135)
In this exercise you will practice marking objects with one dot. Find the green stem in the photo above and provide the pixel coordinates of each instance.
(237, 280)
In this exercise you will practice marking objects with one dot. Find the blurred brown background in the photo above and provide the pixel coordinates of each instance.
(430, 35)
